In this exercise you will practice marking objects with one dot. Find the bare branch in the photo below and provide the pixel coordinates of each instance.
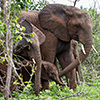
(74, 1)
(75, 95)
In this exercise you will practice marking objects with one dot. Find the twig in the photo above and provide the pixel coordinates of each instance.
(75, 3)
(30, 78)
(16, 72)
(2, 81)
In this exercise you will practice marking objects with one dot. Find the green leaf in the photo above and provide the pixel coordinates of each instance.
(23, 28)
(20, 37)
(2, 59)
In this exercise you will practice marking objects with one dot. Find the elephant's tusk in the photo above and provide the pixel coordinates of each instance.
(82, 46)
(33, 60)
(94, 49)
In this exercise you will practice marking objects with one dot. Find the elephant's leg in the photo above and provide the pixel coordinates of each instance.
(78, 76)
(72, 79)
(58, 67)
(26, 75)
(65, 59)
(50, 58)
(45, 84)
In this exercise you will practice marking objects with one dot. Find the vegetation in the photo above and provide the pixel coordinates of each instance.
(90, 68)
(56, 92)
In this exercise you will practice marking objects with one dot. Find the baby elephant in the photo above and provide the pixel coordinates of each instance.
(48, 71)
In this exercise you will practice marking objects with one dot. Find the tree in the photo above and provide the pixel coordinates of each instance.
(9, 45)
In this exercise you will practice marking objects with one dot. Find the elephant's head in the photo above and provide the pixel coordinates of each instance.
(29, 46)
(68, 22)
(49, 71)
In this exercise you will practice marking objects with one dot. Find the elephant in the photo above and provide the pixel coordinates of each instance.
(60, 24)
(30, 46)
(48, 71)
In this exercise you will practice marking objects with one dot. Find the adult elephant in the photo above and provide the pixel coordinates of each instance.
(60, 24)
(66, 23)
(29, 48)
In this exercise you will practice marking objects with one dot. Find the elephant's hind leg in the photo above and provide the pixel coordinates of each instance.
(45, 84)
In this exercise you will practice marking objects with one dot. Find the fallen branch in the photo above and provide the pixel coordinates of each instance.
(75, 95)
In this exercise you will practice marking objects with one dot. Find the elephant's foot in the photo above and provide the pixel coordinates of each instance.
(71, 81)
(73, 86)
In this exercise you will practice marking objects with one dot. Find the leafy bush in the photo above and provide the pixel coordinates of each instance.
(83, 92)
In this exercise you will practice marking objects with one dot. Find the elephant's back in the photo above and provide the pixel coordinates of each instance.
(30, 16)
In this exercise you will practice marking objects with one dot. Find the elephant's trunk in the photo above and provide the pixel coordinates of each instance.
(59, 82)
(37, 55)
(87, 42)
(37, 76)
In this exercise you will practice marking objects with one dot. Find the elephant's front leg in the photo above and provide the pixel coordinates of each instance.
(65, 59)
(71, 79)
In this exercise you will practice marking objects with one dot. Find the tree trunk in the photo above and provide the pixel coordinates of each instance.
(9, 45)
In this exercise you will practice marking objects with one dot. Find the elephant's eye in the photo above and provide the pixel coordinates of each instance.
(28, 47)
(77, 26)
(52, 74)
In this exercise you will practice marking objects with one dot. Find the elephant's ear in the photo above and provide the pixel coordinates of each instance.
(44, 74)
(23, 22)
(41, 36)
(31, 28)
(54, 17)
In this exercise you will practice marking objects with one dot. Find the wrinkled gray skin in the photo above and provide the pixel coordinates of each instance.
(48, 71)
(31, 50)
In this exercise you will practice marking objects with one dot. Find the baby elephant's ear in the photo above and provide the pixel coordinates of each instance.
(41, 36)
(44, 74)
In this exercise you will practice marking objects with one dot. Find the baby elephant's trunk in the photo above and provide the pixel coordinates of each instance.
(59, 82)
